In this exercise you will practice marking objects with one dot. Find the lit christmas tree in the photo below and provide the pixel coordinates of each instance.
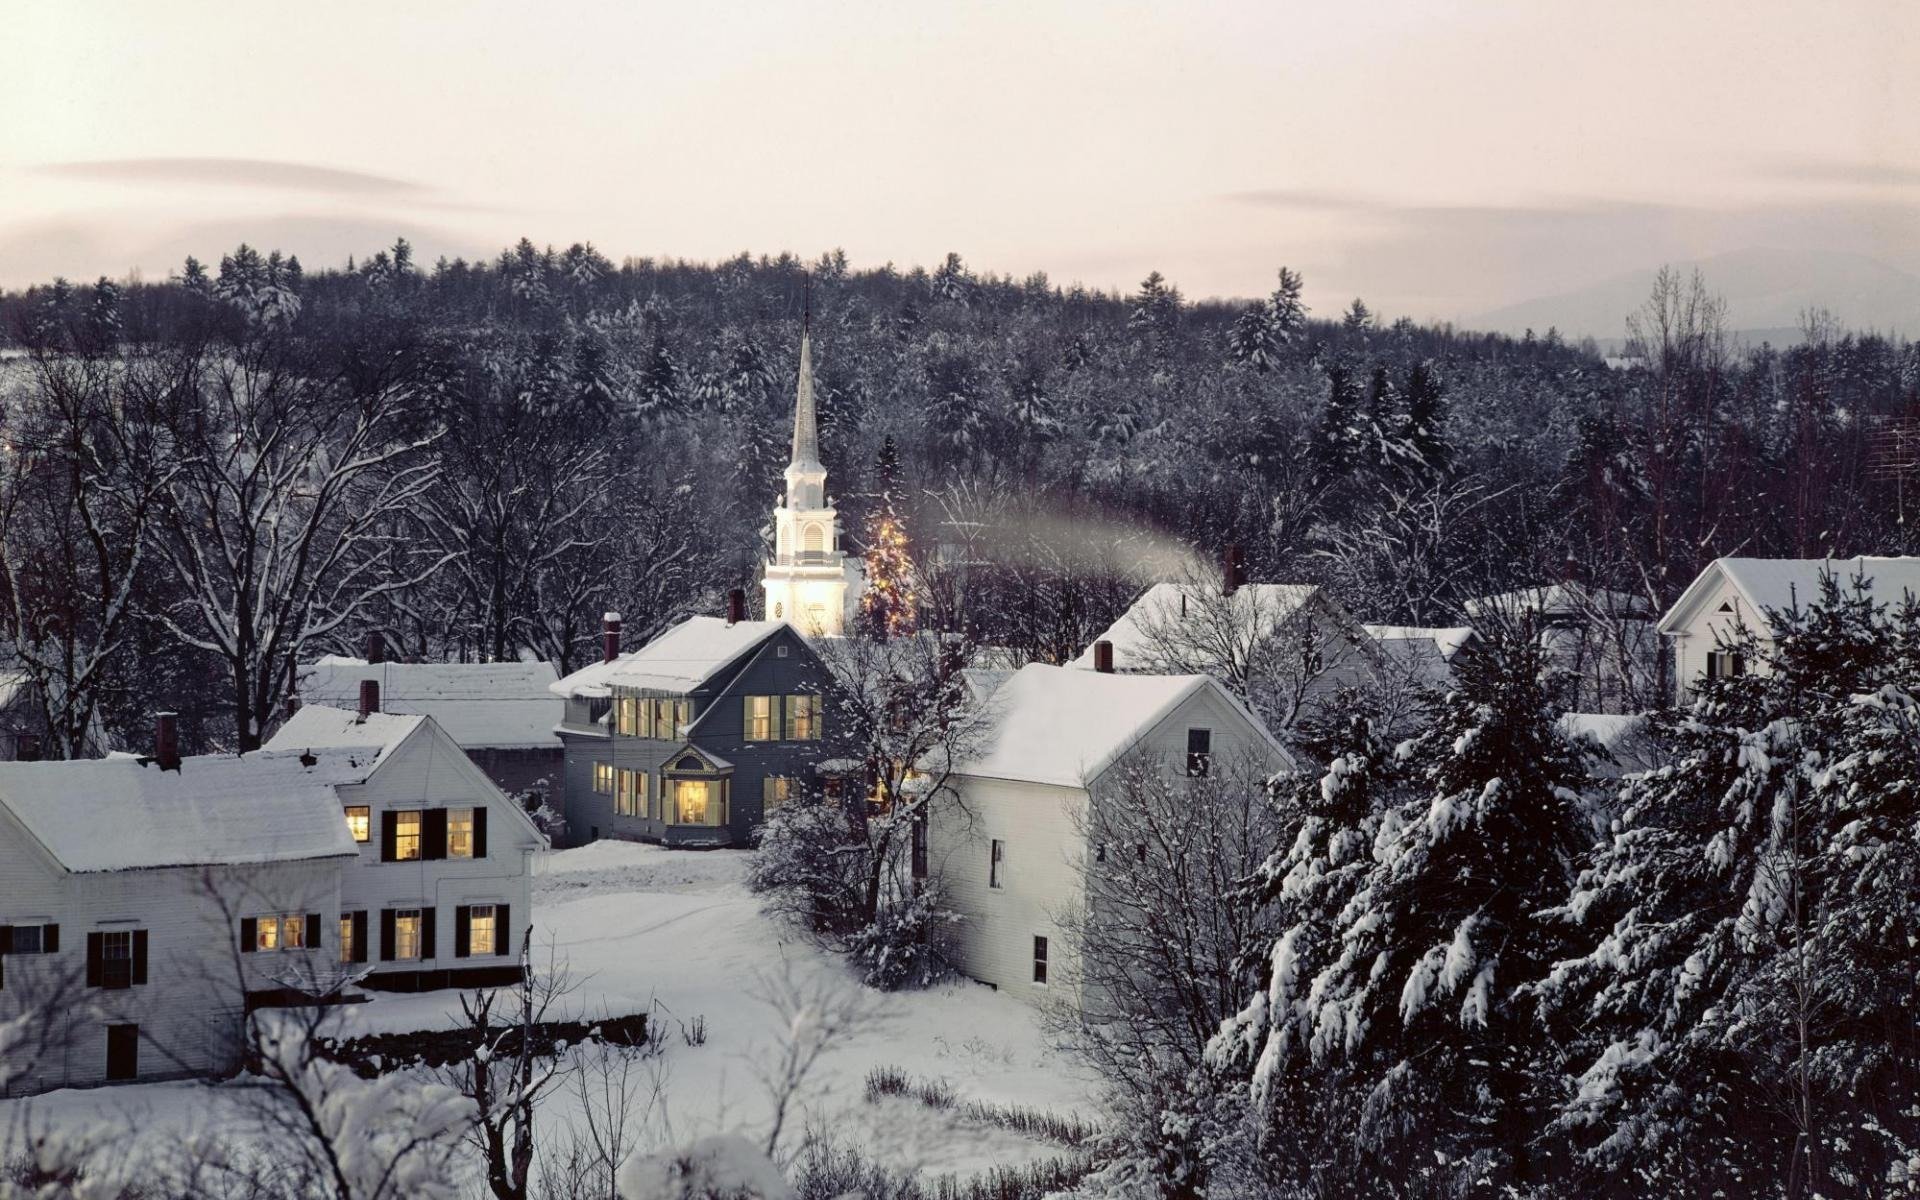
(887, 607)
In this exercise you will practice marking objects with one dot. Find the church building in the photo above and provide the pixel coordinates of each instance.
(810, 582)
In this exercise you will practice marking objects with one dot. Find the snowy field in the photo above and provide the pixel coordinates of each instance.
(677, 934)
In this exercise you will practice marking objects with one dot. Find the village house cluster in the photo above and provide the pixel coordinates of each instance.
(382, 839)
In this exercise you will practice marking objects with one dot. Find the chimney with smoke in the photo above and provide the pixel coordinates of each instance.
(736, 606)
(369, 697)
(166, 741)
(1233, 570)
(609, 636)
(1103, 656)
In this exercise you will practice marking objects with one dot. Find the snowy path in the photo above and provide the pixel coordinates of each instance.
(676, 932)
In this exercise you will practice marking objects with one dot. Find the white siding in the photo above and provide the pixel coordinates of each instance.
(189, 1009)
(428, 770)
(1042, 828)
(1039, 826)
(1706, 626)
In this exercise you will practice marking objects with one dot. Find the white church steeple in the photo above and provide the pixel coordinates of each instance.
(809, 581)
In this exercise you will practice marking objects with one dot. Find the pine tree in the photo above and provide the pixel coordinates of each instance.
(1285, 312)
(1252, 341)
(1337, 443)
(1358, 318)
(1423, 429)
(1398, 1007)
(953, 283)
(888, 607)
(1741, 1018)
(660, 381)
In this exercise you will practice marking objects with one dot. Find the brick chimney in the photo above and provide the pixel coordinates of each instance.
(376, 647)
(736, 606)
(1103, 656)
(1233, 570)
(166, 741)
(609, 636)
(26, 747)
(369, 697)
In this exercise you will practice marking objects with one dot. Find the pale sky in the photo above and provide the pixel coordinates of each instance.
(1438, 158)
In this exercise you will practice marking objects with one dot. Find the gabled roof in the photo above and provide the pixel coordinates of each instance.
(1777, 583)
(1261, 606)
(1064, 726)
(323, 727)
(503, 706)
(679, 660)
(125, 813)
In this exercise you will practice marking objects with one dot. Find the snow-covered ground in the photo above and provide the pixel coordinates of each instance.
(676, 933)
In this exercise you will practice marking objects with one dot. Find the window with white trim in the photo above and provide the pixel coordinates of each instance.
(996, 864)
(482, 930)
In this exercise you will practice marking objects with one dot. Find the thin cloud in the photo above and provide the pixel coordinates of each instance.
(1847, 174)
(236, 172)
(1305, 199)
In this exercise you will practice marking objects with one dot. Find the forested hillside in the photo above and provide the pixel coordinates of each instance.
(207, 478)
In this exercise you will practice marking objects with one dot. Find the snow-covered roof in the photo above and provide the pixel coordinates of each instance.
(502, 706)
(1423, 652)
(1777, 583)
(1064, 726)
(1560, 599)
(1445, 640)
(679, 660)
(321, 726)
(123, 814)
(1607, 729)
(1261, 606)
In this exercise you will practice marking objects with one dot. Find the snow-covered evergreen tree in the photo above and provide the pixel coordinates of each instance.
(1742, 1018)
(1396, 1030)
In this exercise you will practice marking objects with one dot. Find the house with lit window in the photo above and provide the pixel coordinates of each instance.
(1009, 838)
(692, 739)
(1732, 595)
(147, 903)
(437, 892)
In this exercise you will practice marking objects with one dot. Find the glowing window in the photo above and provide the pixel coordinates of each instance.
(359, 822)
(803, 718)
(481, 928)
(406, 836)
(760, 718)
(697, 802)
(406, 933)
(603, 778)
(459, 833)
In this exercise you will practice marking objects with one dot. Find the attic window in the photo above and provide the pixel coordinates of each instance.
(780, 651)
(1726, 606)
(689, 763)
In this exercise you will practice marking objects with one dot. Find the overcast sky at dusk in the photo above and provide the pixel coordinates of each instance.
(1438, 158)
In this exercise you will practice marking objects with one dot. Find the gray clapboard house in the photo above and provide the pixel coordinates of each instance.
(692, 739)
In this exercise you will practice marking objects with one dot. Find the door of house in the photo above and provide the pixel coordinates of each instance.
(123, 1052)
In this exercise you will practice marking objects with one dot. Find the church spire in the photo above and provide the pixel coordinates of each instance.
(806, 435)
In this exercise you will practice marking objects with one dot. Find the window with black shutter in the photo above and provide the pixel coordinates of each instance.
(462, 930)
(480, 832)
(502, 939)
(386, 934)
(313, 931)
(389, 837)
(426, 933)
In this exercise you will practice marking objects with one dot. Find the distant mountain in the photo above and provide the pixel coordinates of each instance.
(1766, 291)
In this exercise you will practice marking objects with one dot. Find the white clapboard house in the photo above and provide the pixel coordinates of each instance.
(125, 886)
(1009, 844)
(1290, 646)
(436, 893)
(1740, 593)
